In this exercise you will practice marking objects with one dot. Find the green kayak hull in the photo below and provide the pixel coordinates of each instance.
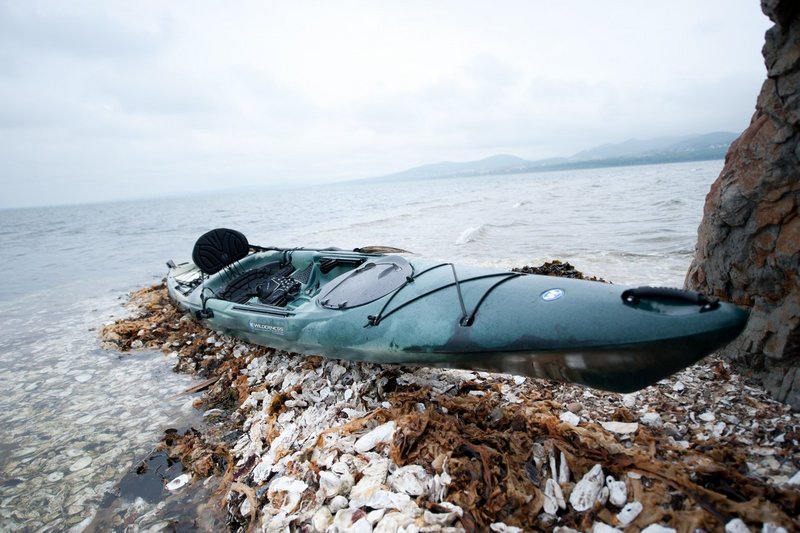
(403, 310)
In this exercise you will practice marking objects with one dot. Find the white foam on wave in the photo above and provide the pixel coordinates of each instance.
(471, 234)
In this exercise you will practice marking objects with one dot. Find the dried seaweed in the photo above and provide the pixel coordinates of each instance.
(699, 450)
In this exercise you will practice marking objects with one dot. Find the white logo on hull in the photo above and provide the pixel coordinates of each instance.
(268, 328)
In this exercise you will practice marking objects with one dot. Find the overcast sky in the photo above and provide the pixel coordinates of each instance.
(102, 100)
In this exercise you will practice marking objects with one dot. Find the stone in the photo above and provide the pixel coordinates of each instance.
(748, 241)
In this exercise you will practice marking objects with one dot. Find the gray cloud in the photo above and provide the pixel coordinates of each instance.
(105, 100)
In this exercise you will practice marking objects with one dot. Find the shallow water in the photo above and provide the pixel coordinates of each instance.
(76, 418)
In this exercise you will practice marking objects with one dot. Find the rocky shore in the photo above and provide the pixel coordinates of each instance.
(312, 444)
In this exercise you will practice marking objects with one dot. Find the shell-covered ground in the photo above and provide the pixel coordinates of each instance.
(316, 444)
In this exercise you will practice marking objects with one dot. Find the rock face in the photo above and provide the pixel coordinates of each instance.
(748, 249)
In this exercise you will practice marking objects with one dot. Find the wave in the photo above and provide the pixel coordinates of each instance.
(471, 234)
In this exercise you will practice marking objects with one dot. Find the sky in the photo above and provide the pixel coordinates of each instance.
(107, 100)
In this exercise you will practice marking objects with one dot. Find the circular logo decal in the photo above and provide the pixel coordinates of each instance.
(552, 294)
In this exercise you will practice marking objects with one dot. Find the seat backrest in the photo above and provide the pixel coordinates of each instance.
(219, 248)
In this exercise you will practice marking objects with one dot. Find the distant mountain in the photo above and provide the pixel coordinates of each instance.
(447, 169)
(632, 152)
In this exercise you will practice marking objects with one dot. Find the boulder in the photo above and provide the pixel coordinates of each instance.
(748, 247)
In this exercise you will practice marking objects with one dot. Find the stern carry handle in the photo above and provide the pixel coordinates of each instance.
(634, 296)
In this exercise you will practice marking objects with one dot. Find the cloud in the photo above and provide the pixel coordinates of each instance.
(103, 100)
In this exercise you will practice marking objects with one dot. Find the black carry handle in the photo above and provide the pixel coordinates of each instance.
(633, 296)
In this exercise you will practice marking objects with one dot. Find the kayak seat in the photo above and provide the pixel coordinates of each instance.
(219, 248)
(247, 286)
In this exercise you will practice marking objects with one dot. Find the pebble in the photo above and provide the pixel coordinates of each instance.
(574, 407)
(570, 418)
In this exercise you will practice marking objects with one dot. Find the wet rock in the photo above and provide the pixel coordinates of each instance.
(748, 239)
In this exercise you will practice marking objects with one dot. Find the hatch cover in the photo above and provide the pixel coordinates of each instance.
(372, 280)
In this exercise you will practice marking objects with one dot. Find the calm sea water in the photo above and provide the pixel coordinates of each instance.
(75, 417)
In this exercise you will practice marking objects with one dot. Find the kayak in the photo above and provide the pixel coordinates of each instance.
(386, 306)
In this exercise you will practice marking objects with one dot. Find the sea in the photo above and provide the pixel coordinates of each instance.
(75, 418)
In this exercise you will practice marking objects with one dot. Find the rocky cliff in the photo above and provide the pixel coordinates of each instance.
(748, 248)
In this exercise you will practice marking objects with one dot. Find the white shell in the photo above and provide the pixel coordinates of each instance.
(629, 513)
(621, 428)
(587, 489)
(178, 482)
(381, 434)
(411, 479)
(618, 492)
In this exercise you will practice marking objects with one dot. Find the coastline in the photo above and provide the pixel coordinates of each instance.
(323, 443)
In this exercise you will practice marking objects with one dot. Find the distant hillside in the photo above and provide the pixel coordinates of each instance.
(632, 152)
